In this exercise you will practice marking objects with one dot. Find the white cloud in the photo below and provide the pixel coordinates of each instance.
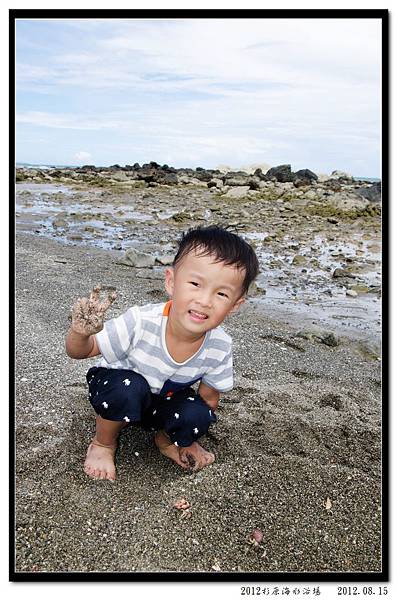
(67, 121)
(257, 89)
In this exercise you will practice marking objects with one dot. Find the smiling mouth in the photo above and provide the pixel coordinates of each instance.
(198, 316)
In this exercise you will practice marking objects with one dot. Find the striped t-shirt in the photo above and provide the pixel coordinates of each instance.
(136, 341)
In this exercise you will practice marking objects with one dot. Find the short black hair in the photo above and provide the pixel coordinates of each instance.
(224, 246)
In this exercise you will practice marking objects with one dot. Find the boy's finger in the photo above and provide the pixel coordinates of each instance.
(94, 295)
(106, 303)
(77, 304)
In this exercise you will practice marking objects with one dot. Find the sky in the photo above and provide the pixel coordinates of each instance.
(200, 92)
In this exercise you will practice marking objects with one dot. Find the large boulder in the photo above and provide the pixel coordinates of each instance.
(304, 177)
(372, 193)
(237, 192)
(281, 173)
(137, 259)
(154, 174)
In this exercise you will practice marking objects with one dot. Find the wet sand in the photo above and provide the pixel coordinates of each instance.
(297, 445)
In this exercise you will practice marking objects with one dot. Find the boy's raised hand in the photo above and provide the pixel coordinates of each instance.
(88, 313)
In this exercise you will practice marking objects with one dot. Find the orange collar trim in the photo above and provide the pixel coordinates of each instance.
(167, 308)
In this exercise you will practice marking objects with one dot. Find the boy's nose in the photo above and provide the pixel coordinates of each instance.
(205, 299)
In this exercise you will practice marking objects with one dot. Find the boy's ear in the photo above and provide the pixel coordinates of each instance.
(237, 305)
(169, 280)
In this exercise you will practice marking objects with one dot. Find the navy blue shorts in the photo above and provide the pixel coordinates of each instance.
(123, 395)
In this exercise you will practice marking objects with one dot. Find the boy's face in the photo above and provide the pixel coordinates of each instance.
(203, 292)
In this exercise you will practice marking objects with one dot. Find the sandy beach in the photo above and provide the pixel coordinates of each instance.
(297, 443)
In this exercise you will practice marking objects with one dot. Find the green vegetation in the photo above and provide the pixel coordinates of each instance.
(327, 210)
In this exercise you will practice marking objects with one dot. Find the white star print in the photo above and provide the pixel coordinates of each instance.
(176, 416)
(190, 398)
(176, 443)
(126, 381)
(154, 412)
(168, 398)
(105, 405)
(105, 382)
(126, 419)
(195, 430)
(209, 411)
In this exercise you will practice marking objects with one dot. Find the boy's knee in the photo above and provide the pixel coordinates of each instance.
(118, 395)
(196, 417)
(197, 412)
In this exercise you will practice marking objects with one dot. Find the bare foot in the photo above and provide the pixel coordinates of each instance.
(169, 449)
(99, 462)
(197, 456)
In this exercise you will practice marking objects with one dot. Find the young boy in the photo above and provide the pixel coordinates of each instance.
(153, 355)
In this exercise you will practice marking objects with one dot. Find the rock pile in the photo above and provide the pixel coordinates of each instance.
(336, 193)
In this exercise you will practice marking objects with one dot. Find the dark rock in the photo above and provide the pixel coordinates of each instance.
(152, 175)
(373, 193)
(202, 175)
(254, 183)
(342, 273)
(305, 174)
(282, 174)
(259, 173)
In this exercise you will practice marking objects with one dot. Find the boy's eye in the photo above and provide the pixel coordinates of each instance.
(194, 283)
(223, 294)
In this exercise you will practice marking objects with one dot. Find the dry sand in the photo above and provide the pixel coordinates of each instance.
(297, 447)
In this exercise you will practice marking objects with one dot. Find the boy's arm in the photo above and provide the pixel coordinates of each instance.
(209, 395)
(81, 346)
(87, 319)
